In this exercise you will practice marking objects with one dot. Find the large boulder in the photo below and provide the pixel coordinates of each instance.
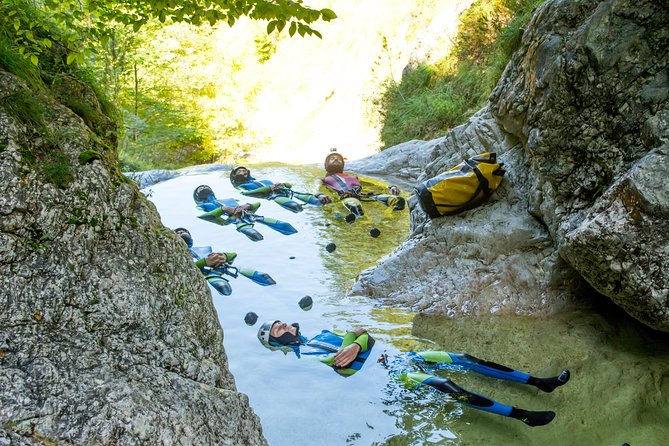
(584, 104)
(497, 258)
(108, 334)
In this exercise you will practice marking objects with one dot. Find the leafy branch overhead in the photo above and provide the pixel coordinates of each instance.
(78, 25)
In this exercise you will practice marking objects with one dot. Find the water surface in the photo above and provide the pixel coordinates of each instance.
(620, 370)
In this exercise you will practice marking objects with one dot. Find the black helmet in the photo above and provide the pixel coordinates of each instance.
(202, 194)
(185, 237)
(236, 179)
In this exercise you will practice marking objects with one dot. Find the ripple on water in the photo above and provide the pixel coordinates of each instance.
(619, 385)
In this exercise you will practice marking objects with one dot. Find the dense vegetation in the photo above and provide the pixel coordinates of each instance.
(111, 41)
(183, 87)
(431, 99)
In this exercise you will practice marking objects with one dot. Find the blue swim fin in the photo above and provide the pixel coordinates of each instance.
(258, 277)
(278, 225)
(219, 283)
(287, 203)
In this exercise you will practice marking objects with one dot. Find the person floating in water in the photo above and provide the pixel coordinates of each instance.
(350, 350)
(345, 352)
(228, 211)
(214, 265)
(280, 193)
(349, 188)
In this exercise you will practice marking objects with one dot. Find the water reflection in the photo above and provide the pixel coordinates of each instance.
(620, 372)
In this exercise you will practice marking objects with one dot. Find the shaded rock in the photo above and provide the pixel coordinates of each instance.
(400, 165)
(149, 178)
(108, 334)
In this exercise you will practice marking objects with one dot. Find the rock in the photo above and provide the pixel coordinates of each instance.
(108, 332)
(579, 118)
(374, 232)
(149, 178)
(330, 247)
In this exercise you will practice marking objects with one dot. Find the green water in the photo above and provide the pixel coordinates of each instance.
(618, 390)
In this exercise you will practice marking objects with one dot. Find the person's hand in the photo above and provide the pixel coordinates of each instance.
(345, 356)
(324, 199)
(394, 190)
(239, 209)
(359, 331)
(276, 186)
(215, 259)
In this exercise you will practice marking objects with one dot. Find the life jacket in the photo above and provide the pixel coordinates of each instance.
(461, 188)
(342, 183)
(328, 342)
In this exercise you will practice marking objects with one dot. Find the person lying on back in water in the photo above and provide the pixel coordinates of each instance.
(207, 264)
(282, 193)
(349, 188)
(347, 352)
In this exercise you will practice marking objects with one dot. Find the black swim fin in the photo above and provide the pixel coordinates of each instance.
(532, 418)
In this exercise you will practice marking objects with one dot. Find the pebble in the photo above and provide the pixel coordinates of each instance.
(330, 247)
(374, 232)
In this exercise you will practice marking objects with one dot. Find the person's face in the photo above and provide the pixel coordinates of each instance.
(335, 163)
(181, 232)
(280, 328)
(243, 172)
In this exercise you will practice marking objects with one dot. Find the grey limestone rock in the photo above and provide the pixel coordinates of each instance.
(108, 334)
(148, 178)
(580, 119)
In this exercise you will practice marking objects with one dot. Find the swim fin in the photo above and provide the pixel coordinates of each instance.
(278, 225)
(287, 203)
(258, 277)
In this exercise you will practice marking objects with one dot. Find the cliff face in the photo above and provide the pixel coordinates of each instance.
(580, 119)
(107, 331)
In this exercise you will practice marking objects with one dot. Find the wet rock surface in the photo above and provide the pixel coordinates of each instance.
(107, 332)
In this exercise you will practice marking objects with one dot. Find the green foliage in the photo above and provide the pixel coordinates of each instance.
(430, 100)
(88, 156)
(78, 26)
(16, 64)
(55, 167)
(25, 108)
(46, 156)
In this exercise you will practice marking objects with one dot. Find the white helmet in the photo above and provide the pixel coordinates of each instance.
(263, 333)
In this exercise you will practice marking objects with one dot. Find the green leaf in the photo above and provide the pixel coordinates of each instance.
(328, 14)
(301, 31)
(136, 25)
(316, 33)
(46, 43)
(34, 59)
(70, 58)
(271, 26)
(293, 27)
(281, 25)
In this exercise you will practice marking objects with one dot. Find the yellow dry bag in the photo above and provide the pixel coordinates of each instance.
(461, 188)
